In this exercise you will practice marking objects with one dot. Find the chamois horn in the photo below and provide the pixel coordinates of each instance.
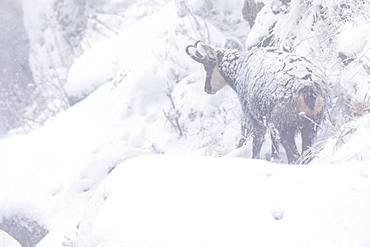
(196, 55)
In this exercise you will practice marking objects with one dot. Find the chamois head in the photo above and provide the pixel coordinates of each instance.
(214, 80)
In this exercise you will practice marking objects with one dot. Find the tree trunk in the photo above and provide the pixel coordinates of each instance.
(16, 80)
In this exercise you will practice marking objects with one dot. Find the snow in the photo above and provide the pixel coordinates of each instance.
(131, 65)
(82, 82)
(354, 37)
(62, 163)
(7, 241)
(255, 37)
(167, 200)
(353, 42)
(349, 144)
(90, 176)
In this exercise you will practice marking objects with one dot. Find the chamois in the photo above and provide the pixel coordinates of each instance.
(276, 89)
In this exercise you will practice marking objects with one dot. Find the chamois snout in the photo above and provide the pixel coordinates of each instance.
(208, 87)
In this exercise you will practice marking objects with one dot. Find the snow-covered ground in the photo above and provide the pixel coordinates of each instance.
(199, 201)
(172, 200)
(125, 165)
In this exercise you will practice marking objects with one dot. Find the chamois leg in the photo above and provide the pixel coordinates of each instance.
(258, 139)
(242, 141)
(275, 145)
(288, 142)
(245, 133)
(308, 133)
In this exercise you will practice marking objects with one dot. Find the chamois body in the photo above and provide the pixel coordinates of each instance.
(276, 89)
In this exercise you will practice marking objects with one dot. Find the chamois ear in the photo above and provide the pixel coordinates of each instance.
(219, 55)
(234, 44)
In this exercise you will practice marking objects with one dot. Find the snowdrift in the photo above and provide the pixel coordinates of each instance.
(198, 201)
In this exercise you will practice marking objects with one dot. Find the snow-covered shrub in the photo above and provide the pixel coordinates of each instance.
(319, 30)
(349, 143)
(211, 123)
(334, 36)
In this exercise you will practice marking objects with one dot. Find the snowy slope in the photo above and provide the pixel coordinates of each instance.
(198, 201)
(146, 68)
(74, 175)
(61, 164)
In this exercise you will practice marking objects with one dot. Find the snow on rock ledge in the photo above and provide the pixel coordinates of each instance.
(198, 201)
